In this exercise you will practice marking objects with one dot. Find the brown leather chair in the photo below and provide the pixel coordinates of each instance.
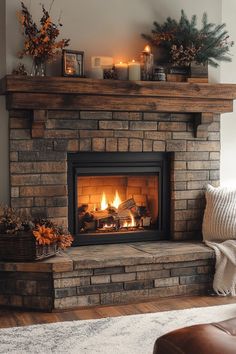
(212, 338)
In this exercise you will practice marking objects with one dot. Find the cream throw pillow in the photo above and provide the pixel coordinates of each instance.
(219, 222)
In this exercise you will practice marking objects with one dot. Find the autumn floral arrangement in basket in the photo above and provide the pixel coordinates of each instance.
(25, 239)
(40, 41)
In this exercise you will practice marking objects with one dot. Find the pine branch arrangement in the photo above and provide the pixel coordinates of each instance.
(184, 42)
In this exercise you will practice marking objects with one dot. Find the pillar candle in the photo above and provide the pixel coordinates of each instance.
(134, 70)
(122, 71)
(97, 73)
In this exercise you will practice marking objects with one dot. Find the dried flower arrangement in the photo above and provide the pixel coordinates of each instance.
(44, 231)
(184, 43)
(40, 41)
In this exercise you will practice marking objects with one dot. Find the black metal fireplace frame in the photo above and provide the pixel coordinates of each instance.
(115, 163)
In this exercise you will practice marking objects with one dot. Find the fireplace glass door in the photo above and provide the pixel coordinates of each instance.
(118, 199)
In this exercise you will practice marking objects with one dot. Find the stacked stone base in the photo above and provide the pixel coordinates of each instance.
(72, 282)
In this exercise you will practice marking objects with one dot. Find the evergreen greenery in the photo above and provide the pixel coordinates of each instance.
(184, 42)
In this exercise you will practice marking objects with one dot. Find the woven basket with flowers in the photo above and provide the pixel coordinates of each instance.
(26, 239)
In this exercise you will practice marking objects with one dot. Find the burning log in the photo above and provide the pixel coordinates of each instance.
(82, 209)
(123, 214)
(127, 204)
(90, 225)
(100, 214)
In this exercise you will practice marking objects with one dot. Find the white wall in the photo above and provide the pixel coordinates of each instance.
(107, 27)
(228, 121)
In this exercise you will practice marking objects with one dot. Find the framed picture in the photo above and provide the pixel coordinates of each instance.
(72, 63)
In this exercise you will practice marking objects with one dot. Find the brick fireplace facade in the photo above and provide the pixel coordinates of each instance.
(38, 166)
(52, 118)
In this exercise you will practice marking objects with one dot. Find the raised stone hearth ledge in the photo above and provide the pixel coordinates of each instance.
(108, 274)
(40, 94)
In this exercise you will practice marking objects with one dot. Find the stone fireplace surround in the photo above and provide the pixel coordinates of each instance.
(51, 117)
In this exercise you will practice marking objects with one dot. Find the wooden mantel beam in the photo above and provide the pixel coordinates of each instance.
(40, 94)
(60, 85)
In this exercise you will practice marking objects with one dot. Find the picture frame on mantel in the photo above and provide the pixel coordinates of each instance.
(72, 63)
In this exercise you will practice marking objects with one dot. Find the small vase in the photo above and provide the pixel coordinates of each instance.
(38, 67)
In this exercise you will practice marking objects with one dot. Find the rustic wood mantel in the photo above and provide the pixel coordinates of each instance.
(40, 94)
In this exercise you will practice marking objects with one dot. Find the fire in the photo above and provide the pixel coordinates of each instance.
(106, 226)
(132, 221)
(104, 204)
(130, 224)
(117, 201)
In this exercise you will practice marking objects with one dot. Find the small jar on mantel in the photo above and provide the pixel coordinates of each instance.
(159, 74)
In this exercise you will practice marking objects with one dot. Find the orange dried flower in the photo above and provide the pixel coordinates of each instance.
(40, 41)
(44, 235)
(64, 241)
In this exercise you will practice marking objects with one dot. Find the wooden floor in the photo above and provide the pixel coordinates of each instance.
(10, 318)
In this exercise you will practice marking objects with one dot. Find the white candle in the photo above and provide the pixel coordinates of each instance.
(122, 71)
(134, 70)
(97, 73)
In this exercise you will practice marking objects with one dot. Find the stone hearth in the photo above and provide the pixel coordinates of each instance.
(51, 117)
(98, 275)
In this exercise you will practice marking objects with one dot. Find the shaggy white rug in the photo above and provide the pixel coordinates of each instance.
(116, 335)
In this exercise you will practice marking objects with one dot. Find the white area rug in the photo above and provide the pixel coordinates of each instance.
(117, 335)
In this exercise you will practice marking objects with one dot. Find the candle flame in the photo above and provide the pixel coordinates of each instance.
(147, 49)
(104, 204)
(133, 61)
(117, 201)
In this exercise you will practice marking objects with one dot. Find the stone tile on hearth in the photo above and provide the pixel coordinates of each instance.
(108, 255)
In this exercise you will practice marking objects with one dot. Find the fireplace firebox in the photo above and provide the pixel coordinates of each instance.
(118, 197)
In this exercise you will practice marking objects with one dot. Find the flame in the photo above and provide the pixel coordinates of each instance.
(132, 221)
(130, 224)
(104, 204)
(117, 201)
(147, 49)
(106, 226)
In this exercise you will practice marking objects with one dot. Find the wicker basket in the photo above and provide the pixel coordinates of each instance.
(23, 247)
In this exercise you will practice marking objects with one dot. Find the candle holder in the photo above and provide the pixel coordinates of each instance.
(147, 64)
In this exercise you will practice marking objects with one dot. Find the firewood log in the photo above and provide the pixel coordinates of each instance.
(82, 209)
(127, 204)
(101, 214)
(123, 214)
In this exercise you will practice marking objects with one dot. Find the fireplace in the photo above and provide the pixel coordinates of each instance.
(107, 130)
(118, 197)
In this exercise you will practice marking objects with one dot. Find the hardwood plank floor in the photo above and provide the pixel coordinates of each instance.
(14, 318)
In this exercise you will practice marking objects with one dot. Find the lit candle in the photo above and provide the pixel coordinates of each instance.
(134, 70)
(122, 71)
(147, 60)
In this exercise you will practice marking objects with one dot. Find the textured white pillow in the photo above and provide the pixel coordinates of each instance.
(219, 222)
